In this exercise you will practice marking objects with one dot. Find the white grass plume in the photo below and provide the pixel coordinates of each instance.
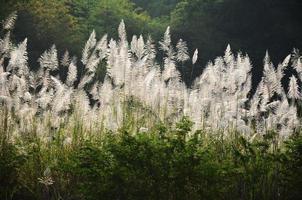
(135, 80)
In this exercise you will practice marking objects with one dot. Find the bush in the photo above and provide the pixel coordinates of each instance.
(163, 163)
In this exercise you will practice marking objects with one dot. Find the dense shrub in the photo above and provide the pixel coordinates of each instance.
(163, 163)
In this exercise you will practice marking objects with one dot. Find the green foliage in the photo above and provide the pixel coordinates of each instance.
(157, 8)
(10, 163)
(209, 25)
(293, 167)
(163, 163)
(68, 23)
(107, 15)
(249, 26)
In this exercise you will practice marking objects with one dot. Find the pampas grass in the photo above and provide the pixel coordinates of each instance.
(219, 99)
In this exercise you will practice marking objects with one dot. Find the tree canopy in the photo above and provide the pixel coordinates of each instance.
(209, 25)
(250, 26)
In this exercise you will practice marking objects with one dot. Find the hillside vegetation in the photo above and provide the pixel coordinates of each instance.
(248, 26)
(120, 123)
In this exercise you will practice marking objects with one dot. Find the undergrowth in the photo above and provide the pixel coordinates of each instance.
(161, 163)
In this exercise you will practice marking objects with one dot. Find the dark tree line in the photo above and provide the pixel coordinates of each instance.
(209, 25)
(249, 26)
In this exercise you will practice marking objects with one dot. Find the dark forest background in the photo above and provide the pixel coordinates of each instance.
(249, 26)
